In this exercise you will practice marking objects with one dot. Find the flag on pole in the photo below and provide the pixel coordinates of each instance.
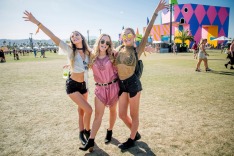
(123, 28)
(147, 20)
(137, 32)
(173, 2)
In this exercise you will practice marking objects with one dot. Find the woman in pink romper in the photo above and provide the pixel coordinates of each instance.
(107, 87)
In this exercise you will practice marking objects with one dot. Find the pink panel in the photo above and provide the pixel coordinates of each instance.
(204, 32)
(221, 32)
(223, 14)
(166, 17)
(211, 13)
(176, 11)
(197, 36)
(200, 13)
(187, 15)
(161, 30)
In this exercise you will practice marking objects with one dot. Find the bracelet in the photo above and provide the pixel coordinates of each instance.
(39, 25)
(156, 14)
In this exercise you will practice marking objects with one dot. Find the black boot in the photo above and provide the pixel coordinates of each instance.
(126, 145)
(87, 134)
(88, 146)
(137, 137)
(108, 136)
(82, 138)
(226, 65)
(231, 67)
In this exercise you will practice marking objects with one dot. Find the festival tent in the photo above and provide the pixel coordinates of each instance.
(222, 38)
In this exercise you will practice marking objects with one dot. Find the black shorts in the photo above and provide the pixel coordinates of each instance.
(131, 85)
(74, 86)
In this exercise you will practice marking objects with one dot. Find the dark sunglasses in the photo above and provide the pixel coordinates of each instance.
(85, 65)
(107, 42)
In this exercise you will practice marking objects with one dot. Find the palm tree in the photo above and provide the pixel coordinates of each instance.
(184, 35)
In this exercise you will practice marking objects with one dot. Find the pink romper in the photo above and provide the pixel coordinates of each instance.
(104, 72)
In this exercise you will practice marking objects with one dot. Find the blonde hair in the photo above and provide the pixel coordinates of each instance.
(85, 46)
(96, 50)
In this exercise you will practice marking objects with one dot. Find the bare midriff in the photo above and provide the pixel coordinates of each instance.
(78, 77)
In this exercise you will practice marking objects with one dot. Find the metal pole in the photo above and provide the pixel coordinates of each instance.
(88, 36)
(31, 41)
(100, 31)
(170, 26)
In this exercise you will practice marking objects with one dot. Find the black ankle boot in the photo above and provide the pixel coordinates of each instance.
(126, 145)
(137, 137)
(108, 136)
(88, 146)
(87, 134)
(82, 138)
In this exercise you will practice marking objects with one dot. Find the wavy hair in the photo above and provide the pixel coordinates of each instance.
(85, 46)
(96, 50)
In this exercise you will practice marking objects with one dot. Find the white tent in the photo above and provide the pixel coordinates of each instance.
(222, 38)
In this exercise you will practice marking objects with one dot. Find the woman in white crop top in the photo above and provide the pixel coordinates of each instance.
(78, 55)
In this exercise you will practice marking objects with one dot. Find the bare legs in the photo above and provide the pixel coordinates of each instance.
(205, 64)
(99, 111)
(132, 121)
(84, 109)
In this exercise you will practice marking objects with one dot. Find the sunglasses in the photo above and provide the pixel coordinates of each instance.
(85, 65)
(127, 36)
(107, 42)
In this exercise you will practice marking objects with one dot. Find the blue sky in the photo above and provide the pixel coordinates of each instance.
(64, 16)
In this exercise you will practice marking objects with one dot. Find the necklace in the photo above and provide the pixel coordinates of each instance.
(80, 48)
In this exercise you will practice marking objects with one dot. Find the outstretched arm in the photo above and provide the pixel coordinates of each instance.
(31, 18)
(161, 5)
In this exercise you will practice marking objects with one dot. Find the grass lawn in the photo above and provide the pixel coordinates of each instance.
(182, 112)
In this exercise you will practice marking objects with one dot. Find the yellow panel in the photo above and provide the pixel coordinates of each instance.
(212, 32)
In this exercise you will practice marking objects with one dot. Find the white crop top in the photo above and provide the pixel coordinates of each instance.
(79, 65)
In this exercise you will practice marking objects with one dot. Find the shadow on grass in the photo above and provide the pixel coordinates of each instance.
(97, 151)
(222, 72)
(141, 148)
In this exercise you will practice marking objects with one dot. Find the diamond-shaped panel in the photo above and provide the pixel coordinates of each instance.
(211, 13)
(223, 14)
(205, 20)
(187, 15)
(200, 13)
(197, 36)
(221, 32)
(176, 12)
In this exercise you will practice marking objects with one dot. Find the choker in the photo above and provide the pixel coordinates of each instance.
(80, 48)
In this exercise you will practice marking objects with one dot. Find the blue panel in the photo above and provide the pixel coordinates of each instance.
(180, 28)
(181, 6)
(205, 21)
(225, 26)
(194, 6)
(217, 9)
(217, 22)
(194, 25)
(179, 17)
(206, 7)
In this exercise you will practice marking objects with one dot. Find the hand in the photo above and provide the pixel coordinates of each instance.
(66, 66)
(161, 5)
(29, 17)
(149, 49)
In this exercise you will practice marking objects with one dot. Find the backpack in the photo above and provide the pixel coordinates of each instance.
(139, 66)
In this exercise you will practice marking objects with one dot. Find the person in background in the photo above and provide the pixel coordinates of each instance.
(195, 50)
(202, 56)
(230, 56)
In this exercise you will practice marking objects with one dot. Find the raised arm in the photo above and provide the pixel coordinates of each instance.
(31, 18)
(161, 5)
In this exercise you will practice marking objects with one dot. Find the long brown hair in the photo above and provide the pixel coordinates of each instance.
(85, 46)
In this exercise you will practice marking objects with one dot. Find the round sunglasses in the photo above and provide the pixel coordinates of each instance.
(127, 36)
(107, 42)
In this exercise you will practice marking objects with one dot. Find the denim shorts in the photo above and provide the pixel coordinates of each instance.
(74, 86)
(131, 85)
